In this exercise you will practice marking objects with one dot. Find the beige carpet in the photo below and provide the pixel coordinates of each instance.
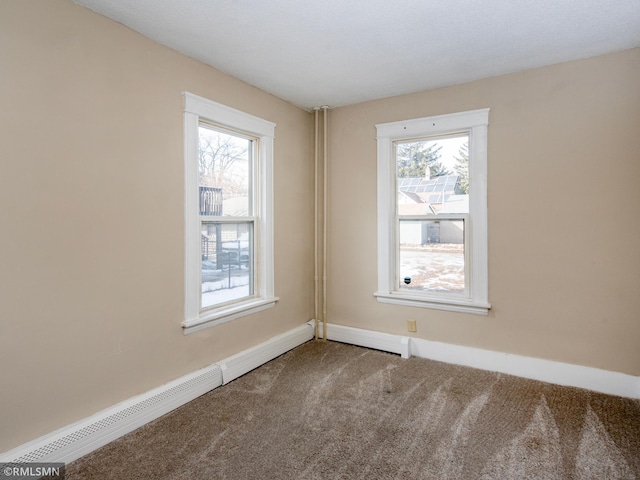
(331, 411)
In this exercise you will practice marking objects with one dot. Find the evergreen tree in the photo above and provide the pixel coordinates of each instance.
(462, 169)
(413, 159)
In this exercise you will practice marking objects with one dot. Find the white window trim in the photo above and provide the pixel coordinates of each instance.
(476, 123)
(195, 108)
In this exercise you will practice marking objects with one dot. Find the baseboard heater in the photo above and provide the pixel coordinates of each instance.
(73, 441)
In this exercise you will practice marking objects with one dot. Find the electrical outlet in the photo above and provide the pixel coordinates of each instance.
(411, 326)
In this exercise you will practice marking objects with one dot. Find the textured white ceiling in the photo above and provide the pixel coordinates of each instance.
(339, 52)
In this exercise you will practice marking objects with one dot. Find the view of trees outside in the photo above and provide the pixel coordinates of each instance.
(414, 158)
(461, 168)
(432, 250)
(225, 164)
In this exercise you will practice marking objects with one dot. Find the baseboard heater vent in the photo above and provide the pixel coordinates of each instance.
(74, 441)
(237, 365)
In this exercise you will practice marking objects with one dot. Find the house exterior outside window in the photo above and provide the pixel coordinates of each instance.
(432, 215)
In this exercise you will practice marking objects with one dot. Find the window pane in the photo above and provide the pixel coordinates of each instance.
(432, 256)
(433, 175)
(225, 173)
(227, 262)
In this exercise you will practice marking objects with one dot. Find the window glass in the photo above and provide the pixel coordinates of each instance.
(225, 173)
(227, 262)
(225, 166)
(432, 185)
(432, 257)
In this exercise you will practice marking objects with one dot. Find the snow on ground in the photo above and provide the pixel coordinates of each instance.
(225, 287)
(438, 267)
(224, 295)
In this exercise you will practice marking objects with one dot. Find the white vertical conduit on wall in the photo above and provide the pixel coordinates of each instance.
(320, 316)
(315, 227)
(325, 111)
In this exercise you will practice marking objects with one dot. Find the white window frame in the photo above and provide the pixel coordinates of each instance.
(197, 109)
(476, 299)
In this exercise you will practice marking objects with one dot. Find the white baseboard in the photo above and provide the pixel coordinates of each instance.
(245, 361)
(367, 338)
(73, 441)
(604, 381)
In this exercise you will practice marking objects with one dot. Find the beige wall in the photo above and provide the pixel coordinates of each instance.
(91, 195)
(91, 251)
(564, 221)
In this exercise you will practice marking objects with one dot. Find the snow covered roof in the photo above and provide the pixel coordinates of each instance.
(455, 204)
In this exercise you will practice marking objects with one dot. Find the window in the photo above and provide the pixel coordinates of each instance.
(432, 212)
(228, 213)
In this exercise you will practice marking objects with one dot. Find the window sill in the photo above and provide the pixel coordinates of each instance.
(448, 304)
(217, 316)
